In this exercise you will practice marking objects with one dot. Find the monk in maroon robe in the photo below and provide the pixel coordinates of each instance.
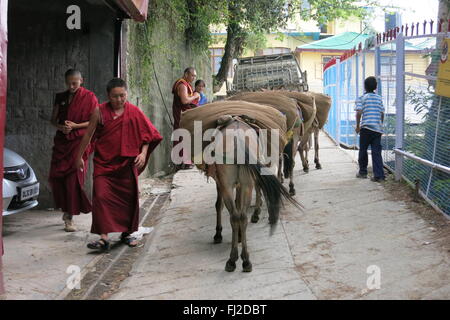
(71, 113)
(184, 99)
(124, 139)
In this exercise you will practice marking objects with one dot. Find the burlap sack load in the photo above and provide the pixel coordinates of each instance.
(278, 101)
(264, 117)
(323, 104)
(305, 103)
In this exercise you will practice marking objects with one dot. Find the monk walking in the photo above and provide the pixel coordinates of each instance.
(183, 99)
(71, 113)
(124, 139)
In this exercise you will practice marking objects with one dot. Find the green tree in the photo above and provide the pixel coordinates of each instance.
(244, 18)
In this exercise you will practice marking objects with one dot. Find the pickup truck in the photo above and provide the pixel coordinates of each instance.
(272, 72)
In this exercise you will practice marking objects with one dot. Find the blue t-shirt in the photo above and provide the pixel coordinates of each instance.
(203, 99)
(371, 106)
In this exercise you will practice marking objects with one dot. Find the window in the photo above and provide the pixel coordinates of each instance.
(276, 50)
(305, 5)
(319, 66)
(216, 59)
(326, 59)
(388, 65)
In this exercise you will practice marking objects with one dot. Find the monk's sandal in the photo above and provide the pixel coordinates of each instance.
(102, 245)
(128, 240)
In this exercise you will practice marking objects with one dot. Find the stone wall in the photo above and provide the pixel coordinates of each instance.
(170, 54)
(40, 50)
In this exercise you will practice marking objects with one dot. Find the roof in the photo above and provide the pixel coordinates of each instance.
(350, 40)
(136, 9)
(341, 42)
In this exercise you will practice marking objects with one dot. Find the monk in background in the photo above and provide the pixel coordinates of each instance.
(124, 138)
(71, 113)
(184, 99)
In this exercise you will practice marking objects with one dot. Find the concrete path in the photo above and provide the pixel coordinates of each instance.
(38, 252)
(353, 232)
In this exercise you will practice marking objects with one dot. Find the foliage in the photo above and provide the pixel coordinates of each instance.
(421, 100)
(247, 21)
(244, 18)
(324, 11)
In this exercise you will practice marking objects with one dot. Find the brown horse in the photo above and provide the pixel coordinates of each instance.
(293, 112)
(315, 108)
(323, 104)
(240, 179)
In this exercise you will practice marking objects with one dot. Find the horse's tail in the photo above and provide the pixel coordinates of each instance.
(288, 162)
(274, 192)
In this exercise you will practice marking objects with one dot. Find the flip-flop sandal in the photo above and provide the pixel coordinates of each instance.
(128, 239)
(100, 244)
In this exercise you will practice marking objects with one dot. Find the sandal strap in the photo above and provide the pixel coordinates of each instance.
(99, 243)
(129, 239)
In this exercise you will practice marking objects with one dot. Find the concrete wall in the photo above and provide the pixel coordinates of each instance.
(40, 50)
(168, 50)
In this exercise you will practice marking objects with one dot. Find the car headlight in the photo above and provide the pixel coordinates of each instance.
(17, 173)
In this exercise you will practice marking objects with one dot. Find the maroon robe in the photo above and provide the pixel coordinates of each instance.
(115, 202)
(178, 106)
(65, 181)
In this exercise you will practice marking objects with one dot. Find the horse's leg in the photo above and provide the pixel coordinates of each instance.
(280, 164)
(303, 149)
(291, 169)
(316, 148)
(234, 221)
(237, 204)
(245, 197)
(226, 177)
(258, 204)
(219, 208)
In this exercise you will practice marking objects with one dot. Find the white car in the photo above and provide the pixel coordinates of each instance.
(20, 186)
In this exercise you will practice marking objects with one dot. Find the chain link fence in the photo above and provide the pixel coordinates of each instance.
(416, 140)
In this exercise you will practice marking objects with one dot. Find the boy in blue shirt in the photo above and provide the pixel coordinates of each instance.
(369, 121)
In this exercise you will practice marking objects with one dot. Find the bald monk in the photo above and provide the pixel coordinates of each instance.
(71, 113)
(184, 98)
(124, 138)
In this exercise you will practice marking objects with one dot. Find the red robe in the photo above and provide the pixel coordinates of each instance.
(65, 181)
(118, 141)
(178, 106)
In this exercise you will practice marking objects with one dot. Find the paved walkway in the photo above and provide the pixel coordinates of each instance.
(324, 252)
(40, 256)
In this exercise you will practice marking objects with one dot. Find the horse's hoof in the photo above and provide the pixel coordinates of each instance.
(292, 192)
(217, 239)
(254, 219)
(318, 166)
(306, 170)
(246, 266)
(230, 266)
